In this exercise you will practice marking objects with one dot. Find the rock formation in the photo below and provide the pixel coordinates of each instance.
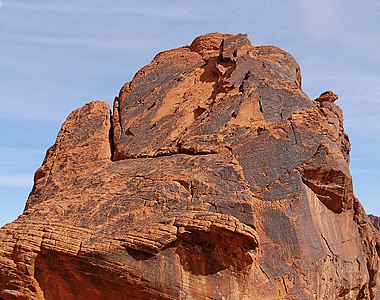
(375, 221)
(216, 177)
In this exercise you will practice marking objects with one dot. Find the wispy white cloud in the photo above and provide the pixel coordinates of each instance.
(20, 151)
(370, 79)
(362, 158)
(14, 108)
(365, 172)
(12, 155)
(326, 18)
(88, 42)
(152, 9)
(17, 181)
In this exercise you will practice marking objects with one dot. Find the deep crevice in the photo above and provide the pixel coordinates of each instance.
(196, 152)
(186, 152)
(294, 133)
(241, 87)
(260, 105)
(111, 136)
(117, 106)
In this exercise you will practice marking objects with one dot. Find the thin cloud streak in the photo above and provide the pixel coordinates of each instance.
(13, 155)
(104, 43)
(18, 181)
(30, 111)
(365, 171)
(20, 150)
(153, 10)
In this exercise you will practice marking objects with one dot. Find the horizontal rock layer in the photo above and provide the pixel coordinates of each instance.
(216, 177)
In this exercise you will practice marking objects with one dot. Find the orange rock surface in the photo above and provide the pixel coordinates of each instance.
(216, 177)
(375, 221)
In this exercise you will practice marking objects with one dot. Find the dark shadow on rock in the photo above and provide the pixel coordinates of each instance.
(139, 255)
(205, 253)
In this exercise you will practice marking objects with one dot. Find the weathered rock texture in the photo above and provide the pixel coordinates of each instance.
(216, 177)
(375, 221)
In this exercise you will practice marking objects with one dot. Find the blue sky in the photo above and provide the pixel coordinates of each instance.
(57, 55)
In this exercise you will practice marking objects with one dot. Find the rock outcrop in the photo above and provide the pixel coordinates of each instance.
(216, 177)
(375, 221)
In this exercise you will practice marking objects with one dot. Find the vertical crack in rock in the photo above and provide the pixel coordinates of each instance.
(294, 133)
(111, 136)
(261, 105)
(327, 244)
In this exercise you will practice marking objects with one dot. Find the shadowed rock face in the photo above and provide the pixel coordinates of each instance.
(375, 221)
(216, 177)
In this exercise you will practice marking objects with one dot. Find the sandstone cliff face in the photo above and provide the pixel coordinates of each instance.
(216, 177)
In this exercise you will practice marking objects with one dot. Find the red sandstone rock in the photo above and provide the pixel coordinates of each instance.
(328, 96)
(215, 178)
(375, 221)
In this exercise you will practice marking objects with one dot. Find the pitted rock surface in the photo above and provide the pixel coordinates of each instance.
(215, 177)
